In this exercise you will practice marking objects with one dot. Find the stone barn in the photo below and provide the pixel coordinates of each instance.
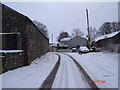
(78, 41)
(21, 41)
(109, 42)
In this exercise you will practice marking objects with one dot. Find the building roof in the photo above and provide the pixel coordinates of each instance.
(77, 37)
(62, 45)
(107, 36)
(53, 44)
(36, 27)
(65, 39)
(25, 17)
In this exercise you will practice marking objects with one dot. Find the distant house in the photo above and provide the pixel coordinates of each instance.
(53, 46)
(64, 43)
(78, 41)
(74, 42)
(109, 42)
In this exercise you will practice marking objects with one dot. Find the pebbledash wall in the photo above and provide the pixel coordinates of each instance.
(22, 41)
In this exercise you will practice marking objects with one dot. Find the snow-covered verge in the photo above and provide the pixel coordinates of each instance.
(31, 76)
(100, 66)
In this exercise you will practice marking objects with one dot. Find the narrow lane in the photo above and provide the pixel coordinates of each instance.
(68, 75)
(50, 79)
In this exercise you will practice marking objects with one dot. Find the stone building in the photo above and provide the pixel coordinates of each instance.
(20, 40)
(109, 42)
(64, 43)
(78, 41)
(74, 42)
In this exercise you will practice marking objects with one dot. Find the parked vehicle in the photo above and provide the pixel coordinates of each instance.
(74, 49)
(93, 49)
(83, 49)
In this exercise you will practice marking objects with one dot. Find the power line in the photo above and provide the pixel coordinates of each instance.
(102, 6)
(96, 10)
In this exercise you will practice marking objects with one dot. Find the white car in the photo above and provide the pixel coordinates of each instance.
(83, 49)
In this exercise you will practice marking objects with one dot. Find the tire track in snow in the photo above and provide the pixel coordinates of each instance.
(65, 78)
(69, 75)
(62, 80)
(65, 71)
(85, 76)
(50, 79)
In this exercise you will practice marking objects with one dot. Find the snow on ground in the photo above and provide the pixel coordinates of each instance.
(68, 75)
(100, 66)
(31, 76)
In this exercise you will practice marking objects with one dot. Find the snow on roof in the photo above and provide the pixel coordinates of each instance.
(83, 37)
(65, 39)
(10, 51)
(38, 28)
(106, 36)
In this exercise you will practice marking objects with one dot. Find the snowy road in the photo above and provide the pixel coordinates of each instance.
(68, 75)
(98, 66)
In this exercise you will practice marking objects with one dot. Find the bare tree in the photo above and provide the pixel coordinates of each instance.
(41, 26)
(77, 32)
(108, 27)
(93, 33)
(63, 35)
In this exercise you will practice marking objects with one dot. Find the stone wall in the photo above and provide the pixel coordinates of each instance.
(29, 39)
(37, 43)
(12, 60)
(0, 37)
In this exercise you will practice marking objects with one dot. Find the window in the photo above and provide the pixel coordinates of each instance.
(11, 41)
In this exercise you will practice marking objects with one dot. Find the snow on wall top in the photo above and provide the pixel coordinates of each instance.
(10, 51)
(65, 39)
(106, 36)
(11, 33)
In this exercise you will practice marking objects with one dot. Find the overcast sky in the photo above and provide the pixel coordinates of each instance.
(66, 16)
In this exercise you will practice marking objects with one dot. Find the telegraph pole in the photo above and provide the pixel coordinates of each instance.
(88, 28)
